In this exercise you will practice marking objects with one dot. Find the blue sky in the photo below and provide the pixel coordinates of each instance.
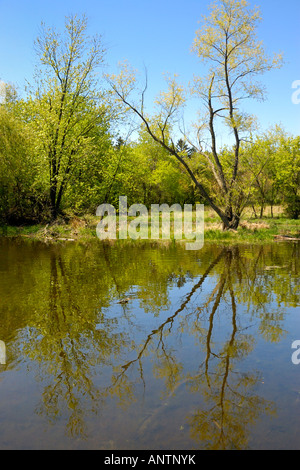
(157, 34)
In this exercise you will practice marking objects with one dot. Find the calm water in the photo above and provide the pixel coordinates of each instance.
(198, 357)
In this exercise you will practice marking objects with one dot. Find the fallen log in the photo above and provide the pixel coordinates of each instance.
(286, 238)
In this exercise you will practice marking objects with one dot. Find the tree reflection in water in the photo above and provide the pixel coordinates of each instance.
(230, 405)
(88, 352)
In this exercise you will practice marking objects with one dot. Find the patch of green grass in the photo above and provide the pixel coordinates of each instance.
(12, 231)
(241, 235)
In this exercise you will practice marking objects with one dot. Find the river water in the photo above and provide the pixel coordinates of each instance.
(134, 345)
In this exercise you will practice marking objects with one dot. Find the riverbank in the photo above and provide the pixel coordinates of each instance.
(84, 228)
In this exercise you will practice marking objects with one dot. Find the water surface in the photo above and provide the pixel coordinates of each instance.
(136, 346)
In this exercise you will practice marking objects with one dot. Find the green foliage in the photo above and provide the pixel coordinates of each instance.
(287, 176)
(21, 191)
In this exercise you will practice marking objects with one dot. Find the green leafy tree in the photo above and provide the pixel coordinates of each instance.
(66, 106)
(227, 43)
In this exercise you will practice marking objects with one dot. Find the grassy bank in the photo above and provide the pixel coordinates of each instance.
(251, 230)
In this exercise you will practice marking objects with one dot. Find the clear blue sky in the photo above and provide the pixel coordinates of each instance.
(159, 35)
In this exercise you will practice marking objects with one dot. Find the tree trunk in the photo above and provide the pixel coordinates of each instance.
(230, 221)
(262, 207)
(53, 201)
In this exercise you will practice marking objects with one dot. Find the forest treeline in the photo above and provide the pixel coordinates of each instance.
(63, 150)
